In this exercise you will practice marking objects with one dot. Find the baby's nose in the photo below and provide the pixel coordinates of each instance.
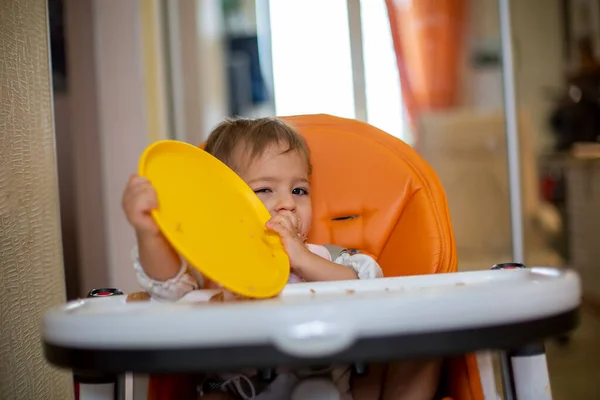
(285, 202)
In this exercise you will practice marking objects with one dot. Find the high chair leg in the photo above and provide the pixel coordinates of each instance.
(530, 373)
(100, 387)
(508, 386)
(525, 374)
(108, 387)
(485, 365)
(524, 370)
(95, 391)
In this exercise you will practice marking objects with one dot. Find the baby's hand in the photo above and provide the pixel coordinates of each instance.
(139, 199)
(287, 226)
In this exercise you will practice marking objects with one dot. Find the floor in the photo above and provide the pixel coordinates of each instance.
(575, 367)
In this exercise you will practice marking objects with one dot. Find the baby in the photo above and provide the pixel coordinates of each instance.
(273, 159)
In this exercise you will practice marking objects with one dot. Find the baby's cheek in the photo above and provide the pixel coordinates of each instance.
(268, 203)
(305, 227)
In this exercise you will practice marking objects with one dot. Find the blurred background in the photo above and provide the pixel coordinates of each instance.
(130, 72)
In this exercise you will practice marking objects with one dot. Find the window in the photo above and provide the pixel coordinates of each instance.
(310, 47)
(312, 61)
(385, 109)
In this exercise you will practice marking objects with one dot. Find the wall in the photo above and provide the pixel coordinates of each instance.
(122, 121)
(109, 131)
(538, 59)
(31, 273)
(212, 72)
(86, 157)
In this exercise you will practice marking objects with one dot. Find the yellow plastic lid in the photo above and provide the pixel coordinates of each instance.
(214, 220)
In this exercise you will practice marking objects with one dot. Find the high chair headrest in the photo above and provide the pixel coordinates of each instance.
(374, 193)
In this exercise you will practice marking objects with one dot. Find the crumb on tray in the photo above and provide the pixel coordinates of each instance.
(137, 296)
(220, 298)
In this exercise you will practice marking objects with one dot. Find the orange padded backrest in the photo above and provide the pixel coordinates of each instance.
(373, 192)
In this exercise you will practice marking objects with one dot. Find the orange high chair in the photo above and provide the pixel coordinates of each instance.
(374, 193)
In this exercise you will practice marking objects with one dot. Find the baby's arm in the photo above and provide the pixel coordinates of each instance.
(170, 283)
(363, 265)
(159, 268)
(315, 268)
(157, 257)
(174, 288)
(345, 267)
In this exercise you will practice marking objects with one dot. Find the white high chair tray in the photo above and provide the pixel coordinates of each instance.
(316, 323)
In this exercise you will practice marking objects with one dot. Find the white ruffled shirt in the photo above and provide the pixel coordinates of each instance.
(188, 279)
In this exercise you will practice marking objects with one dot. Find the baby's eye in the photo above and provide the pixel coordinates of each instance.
(300, 191)
(263, 190)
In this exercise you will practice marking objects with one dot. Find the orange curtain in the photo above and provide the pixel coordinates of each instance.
(428, 39)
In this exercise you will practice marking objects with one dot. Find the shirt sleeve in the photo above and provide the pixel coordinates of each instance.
(172, 289)
(364, 266)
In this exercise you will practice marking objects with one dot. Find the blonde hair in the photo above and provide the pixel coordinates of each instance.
(256, 136)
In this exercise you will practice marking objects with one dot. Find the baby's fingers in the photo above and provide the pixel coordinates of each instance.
(285, 221)
(135, 184)
(279, 228)
(140, 199)
(136, 179)
(147, 202)
(290, 219)
(143, 190)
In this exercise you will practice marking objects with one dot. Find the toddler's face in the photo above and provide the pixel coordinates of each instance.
(281, 181)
